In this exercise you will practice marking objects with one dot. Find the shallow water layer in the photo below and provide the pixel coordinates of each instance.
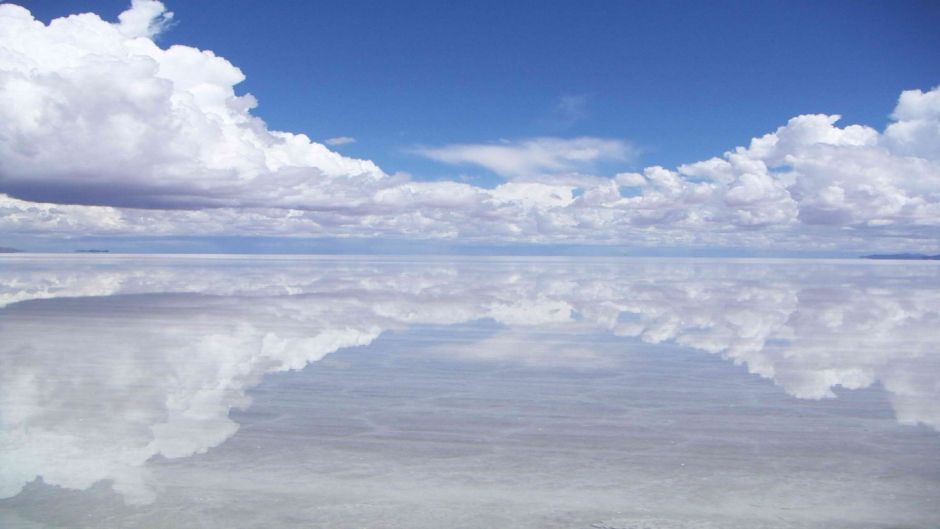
(176, 392)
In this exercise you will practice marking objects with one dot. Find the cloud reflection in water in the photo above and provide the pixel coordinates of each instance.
(104, 366)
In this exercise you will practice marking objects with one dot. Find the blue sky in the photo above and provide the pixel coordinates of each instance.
(647, 127)
(682, 80)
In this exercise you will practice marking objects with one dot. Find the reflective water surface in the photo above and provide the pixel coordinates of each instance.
(229, 392)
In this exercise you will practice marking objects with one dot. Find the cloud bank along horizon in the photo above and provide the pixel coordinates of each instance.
(104, 132)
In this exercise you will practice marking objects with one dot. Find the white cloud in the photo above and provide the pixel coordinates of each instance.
(146, 18)
(534, 158)
(917, 125)
(97, 121)
(340, 140)
(97, 113)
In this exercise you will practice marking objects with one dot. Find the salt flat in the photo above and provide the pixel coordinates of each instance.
(235, 391)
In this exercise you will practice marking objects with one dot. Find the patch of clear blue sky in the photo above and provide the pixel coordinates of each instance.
(682, 80)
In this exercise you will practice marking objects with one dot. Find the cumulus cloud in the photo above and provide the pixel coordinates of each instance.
(146, 18)
(96, 113)
(104, 132)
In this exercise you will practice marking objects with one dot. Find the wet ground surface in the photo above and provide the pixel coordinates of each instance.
(395, 392)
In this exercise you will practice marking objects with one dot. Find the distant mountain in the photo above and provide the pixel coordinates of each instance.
(904, 256)
(9, 250)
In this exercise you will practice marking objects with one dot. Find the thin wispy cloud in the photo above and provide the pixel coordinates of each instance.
(535, 157)
(570, 109)
(339, 140)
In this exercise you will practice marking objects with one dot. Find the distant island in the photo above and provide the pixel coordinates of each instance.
(9, 250)
(92, 251)
(904, 256)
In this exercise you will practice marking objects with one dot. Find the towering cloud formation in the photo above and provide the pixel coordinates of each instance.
(102, 131)
(97, 113)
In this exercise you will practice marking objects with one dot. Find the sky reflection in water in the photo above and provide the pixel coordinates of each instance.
(176, 392)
